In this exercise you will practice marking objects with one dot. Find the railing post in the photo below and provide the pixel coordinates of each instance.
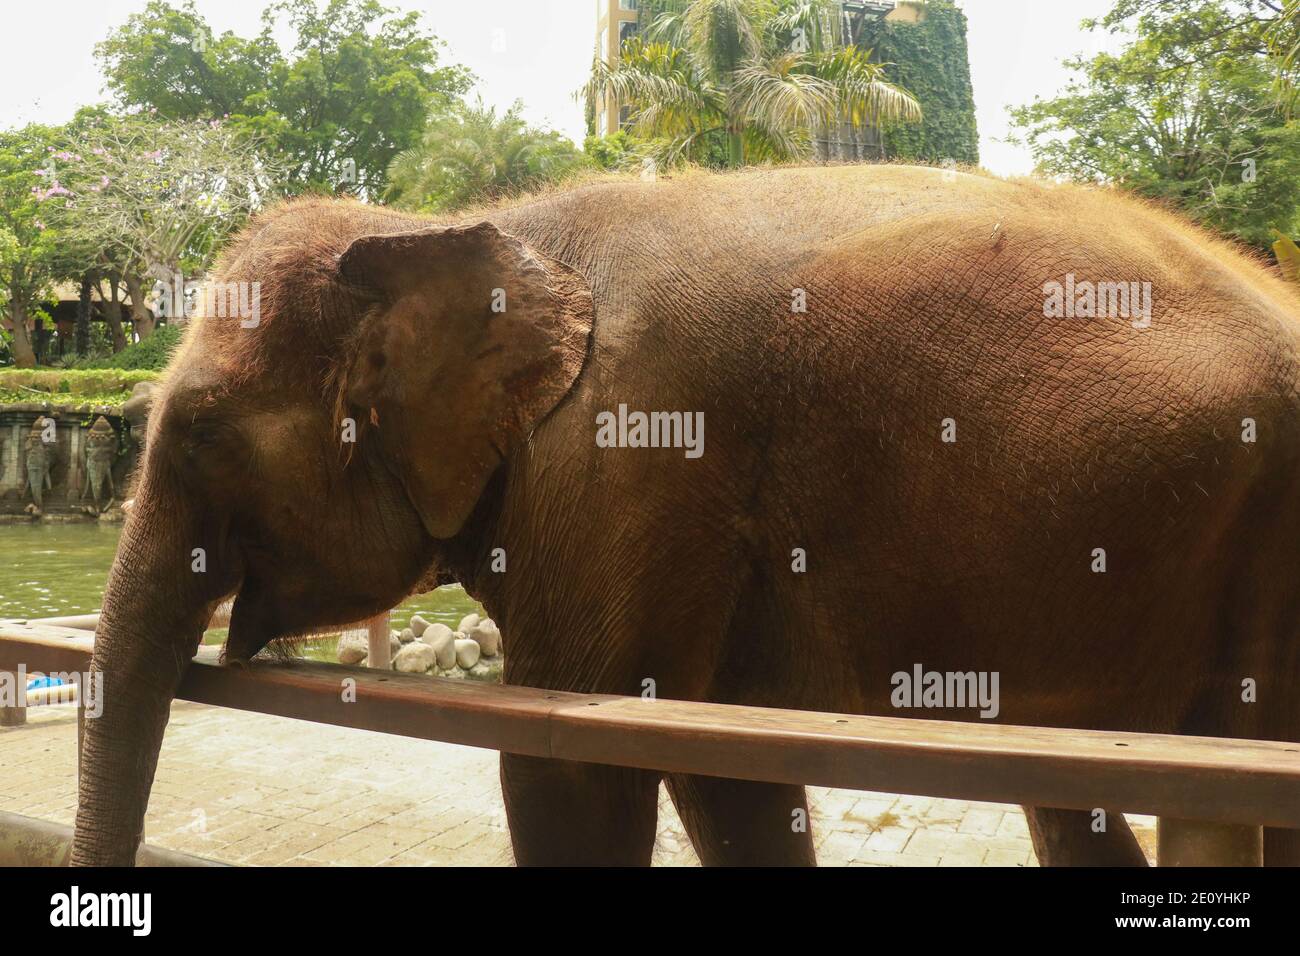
(381, 654)
(1201, 843)
(16, 715)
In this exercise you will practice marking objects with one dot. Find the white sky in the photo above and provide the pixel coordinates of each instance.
(535, 50)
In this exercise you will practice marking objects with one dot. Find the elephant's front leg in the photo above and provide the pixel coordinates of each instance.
(1070, 838)
(744, 823)
(563, 813)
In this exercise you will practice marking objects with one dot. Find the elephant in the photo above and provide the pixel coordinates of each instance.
(919, 455)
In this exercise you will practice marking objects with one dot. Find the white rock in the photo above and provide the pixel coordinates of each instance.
(353, 647)
(443, 641)
(415, 658)
(467, 653)
(488, 636)
(418, 625)
(467, 623)
(406, 636)
(394, 643)
(435, 632)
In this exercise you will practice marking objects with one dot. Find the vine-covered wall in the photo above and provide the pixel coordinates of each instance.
(931, 61)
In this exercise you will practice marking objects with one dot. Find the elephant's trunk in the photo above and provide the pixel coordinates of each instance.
(155, 609)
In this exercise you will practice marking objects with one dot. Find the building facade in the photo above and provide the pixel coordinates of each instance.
(616, 21)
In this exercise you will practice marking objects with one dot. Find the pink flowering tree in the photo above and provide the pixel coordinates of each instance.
(150, 201)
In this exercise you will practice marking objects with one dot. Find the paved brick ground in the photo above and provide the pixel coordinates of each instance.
(258, 790)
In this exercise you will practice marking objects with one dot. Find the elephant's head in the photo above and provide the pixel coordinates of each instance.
(310, 457)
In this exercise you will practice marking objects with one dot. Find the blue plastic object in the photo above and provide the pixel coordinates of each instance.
(39, 682)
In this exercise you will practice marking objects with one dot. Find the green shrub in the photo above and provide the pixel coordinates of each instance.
(153, 353)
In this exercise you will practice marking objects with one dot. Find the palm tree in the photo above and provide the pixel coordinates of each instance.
(472, 155)
(1282, 37)
(765, 74)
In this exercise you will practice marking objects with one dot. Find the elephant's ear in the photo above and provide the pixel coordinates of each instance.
(475, 338)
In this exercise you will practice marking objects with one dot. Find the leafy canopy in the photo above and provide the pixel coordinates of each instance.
(1166, 119)
(337, 106)
(29, 247)
(470, 155)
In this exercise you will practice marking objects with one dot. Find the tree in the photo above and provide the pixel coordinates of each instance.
(1283, 39)
(763, 75)
(29, 248)
(470, 155)
(351, 92)
(150, 200)
(1246, 29)
(613, 152)
(1160, 119)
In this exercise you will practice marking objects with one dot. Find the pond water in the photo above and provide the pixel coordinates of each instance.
(53, 570)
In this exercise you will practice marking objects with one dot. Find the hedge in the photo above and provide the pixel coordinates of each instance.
(70, 387)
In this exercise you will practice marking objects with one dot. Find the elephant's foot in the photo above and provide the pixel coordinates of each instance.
(1071, 838)
(563, 813)
(743, 823)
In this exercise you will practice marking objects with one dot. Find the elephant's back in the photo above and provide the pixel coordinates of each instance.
(891, 291)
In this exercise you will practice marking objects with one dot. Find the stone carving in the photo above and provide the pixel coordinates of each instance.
(40, 455)
(101, 452)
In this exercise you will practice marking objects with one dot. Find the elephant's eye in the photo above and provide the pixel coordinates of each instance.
(212, 442)
(201, 438)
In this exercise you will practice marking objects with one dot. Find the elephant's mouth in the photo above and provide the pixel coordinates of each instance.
(254, 625)
(274, 626)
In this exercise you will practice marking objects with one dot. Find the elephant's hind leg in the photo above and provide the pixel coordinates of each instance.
(1067, 838)
(563, 813)
(743, 823)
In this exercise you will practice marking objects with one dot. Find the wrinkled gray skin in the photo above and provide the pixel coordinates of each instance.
(823, 433)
